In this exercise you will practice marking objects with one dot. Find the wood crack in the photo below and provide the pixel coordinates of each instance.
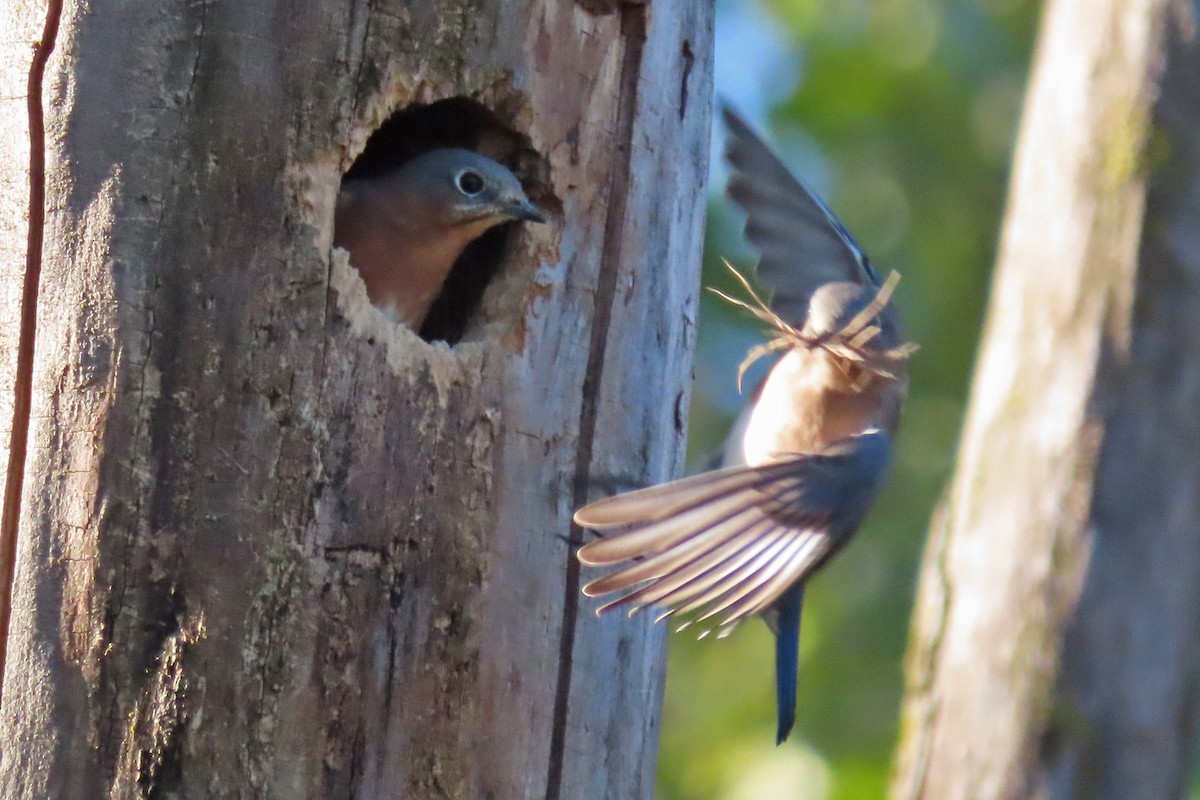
(633, 35)
(10, 516)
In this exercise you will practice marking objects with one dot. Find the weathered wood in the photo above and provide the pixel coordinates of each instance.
(20, 22)
(21, 55)
(274, 547)
(1054, 651)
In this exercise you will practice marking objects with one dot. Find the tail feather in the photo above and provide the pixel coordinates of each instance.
(787, 660)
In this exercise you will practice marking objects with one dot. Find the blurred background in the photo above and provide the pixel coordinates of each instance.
(902, 115)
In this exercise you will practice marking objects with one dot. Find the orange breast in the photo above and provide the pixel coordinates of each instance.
(807, 402)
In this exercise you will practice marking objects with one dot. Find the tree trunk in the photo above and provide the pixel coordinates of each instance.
(270, 545)
(20, 246)
(1054, 651)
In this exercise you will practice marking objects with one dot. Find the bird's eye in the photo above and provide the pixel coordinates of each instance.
(469, 183)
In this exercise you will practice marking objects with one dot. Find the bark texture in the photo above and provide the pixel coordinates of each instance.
(1054, 651)
(21, 23)
(22, 56)
(270, 545)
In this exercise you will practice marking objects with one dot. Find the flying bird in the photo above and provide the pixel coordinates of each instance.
(806, 458)
(405, 228)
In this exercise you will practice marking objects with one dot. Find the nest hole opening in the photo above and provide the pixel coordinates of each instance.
(456, 122)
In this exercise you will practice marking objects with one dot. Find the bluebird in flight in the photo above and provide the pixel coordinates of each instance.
(806, 458)
(405, 228)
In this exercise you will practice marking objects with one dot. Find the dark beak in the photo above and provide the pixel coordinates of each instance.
(527, 211)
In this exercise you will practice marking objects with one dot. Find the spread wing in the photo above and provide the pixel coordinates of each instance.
(730, 542)
(801, 244)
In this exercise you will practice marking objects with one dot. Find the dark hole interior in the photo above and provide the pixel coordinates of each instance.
(455, 122)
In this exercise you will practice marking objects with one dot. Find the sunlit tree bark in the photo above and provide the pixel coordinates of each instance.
(270, 545)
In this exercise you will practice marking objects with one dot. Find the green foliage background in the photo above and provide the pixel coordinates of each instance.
(903, 116)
